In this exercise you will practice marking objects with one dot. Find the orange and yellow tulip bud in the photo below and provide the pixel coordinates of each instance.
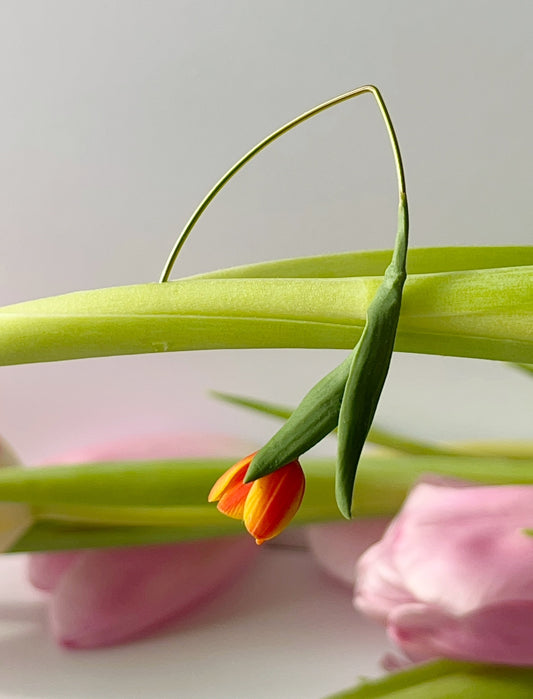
(266, 505)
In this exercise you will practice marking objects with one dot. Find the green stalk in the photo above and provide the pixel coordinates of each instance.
(84, 506)
(447, 679)
(384, 481)
(61, 536)
(481, 313)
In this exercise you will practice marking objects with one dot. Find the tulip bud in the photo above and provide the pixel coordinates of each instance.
(266, 505)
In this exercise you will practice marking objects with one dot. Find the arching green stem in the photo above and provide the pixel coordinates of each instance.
(270, 139)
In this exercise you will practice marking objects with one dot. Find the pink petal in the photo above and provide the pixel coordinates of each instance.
(392, 662)
(158, 446)
(7, 455)
(451, 541)
(46, 569)
(112, 596)
(379, 587)
(453, 574)
(338, 546)
(500, 633)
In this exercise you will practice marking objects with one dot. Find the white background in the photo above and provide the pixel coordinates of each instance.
(117, 117)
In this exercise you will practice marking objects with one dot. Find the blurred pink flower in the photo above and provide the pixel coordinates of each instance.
(338, 545)
(453, 575)
(109, 596)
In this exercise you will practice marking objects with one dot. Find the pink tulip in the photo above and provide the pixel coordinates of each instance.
(109, 596)
(453, 575)
(337, 546)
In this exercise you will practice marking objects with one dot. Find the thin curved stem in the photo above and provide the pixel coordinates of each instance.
(270, 139)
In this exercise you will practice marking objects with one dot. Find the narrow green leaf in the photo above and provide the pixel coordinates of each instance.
(377, 435)
(315, 417)
(447, 679)
(373, 263)
(407, 445)
(369, 367)
(365, 370)
(263, 407)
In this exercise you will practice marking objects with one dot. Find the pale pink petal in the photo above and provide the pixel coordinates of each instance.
(501, 633)
(467, 530)
(379, 587)
(337, 546)
(111, 596)
(158, 446)
(453, 574)
(410, 626)
(392, 662)
(46, 569)
(7, 455)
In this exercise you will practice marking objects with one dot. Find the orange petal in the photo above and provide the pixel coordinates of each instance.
(232, 501)
(231, 478)
(273, 501)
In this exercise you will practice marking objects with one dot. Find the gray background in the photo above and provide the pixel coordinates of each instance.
(117, 117)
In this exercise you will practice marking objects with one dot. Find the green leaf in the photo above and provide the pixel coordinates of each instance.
(377, 435)
(349, 394)
(373, 263)
(448, 679)
(369, 367)
(315, 417)
(275, 410)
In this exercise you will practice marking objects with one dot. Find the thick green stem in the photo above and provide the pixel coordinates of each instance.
(84, 506)
(482, 313)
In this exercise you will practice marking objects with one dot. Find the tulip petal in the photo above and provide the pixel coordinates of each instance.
(483, 526)
(99, 603)
(337, 546)
(273, 501)
(105, 597)
(45, 570)
(500, 633)
(230, 479)
(379, 587)
(233, 501)
(453, 574)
